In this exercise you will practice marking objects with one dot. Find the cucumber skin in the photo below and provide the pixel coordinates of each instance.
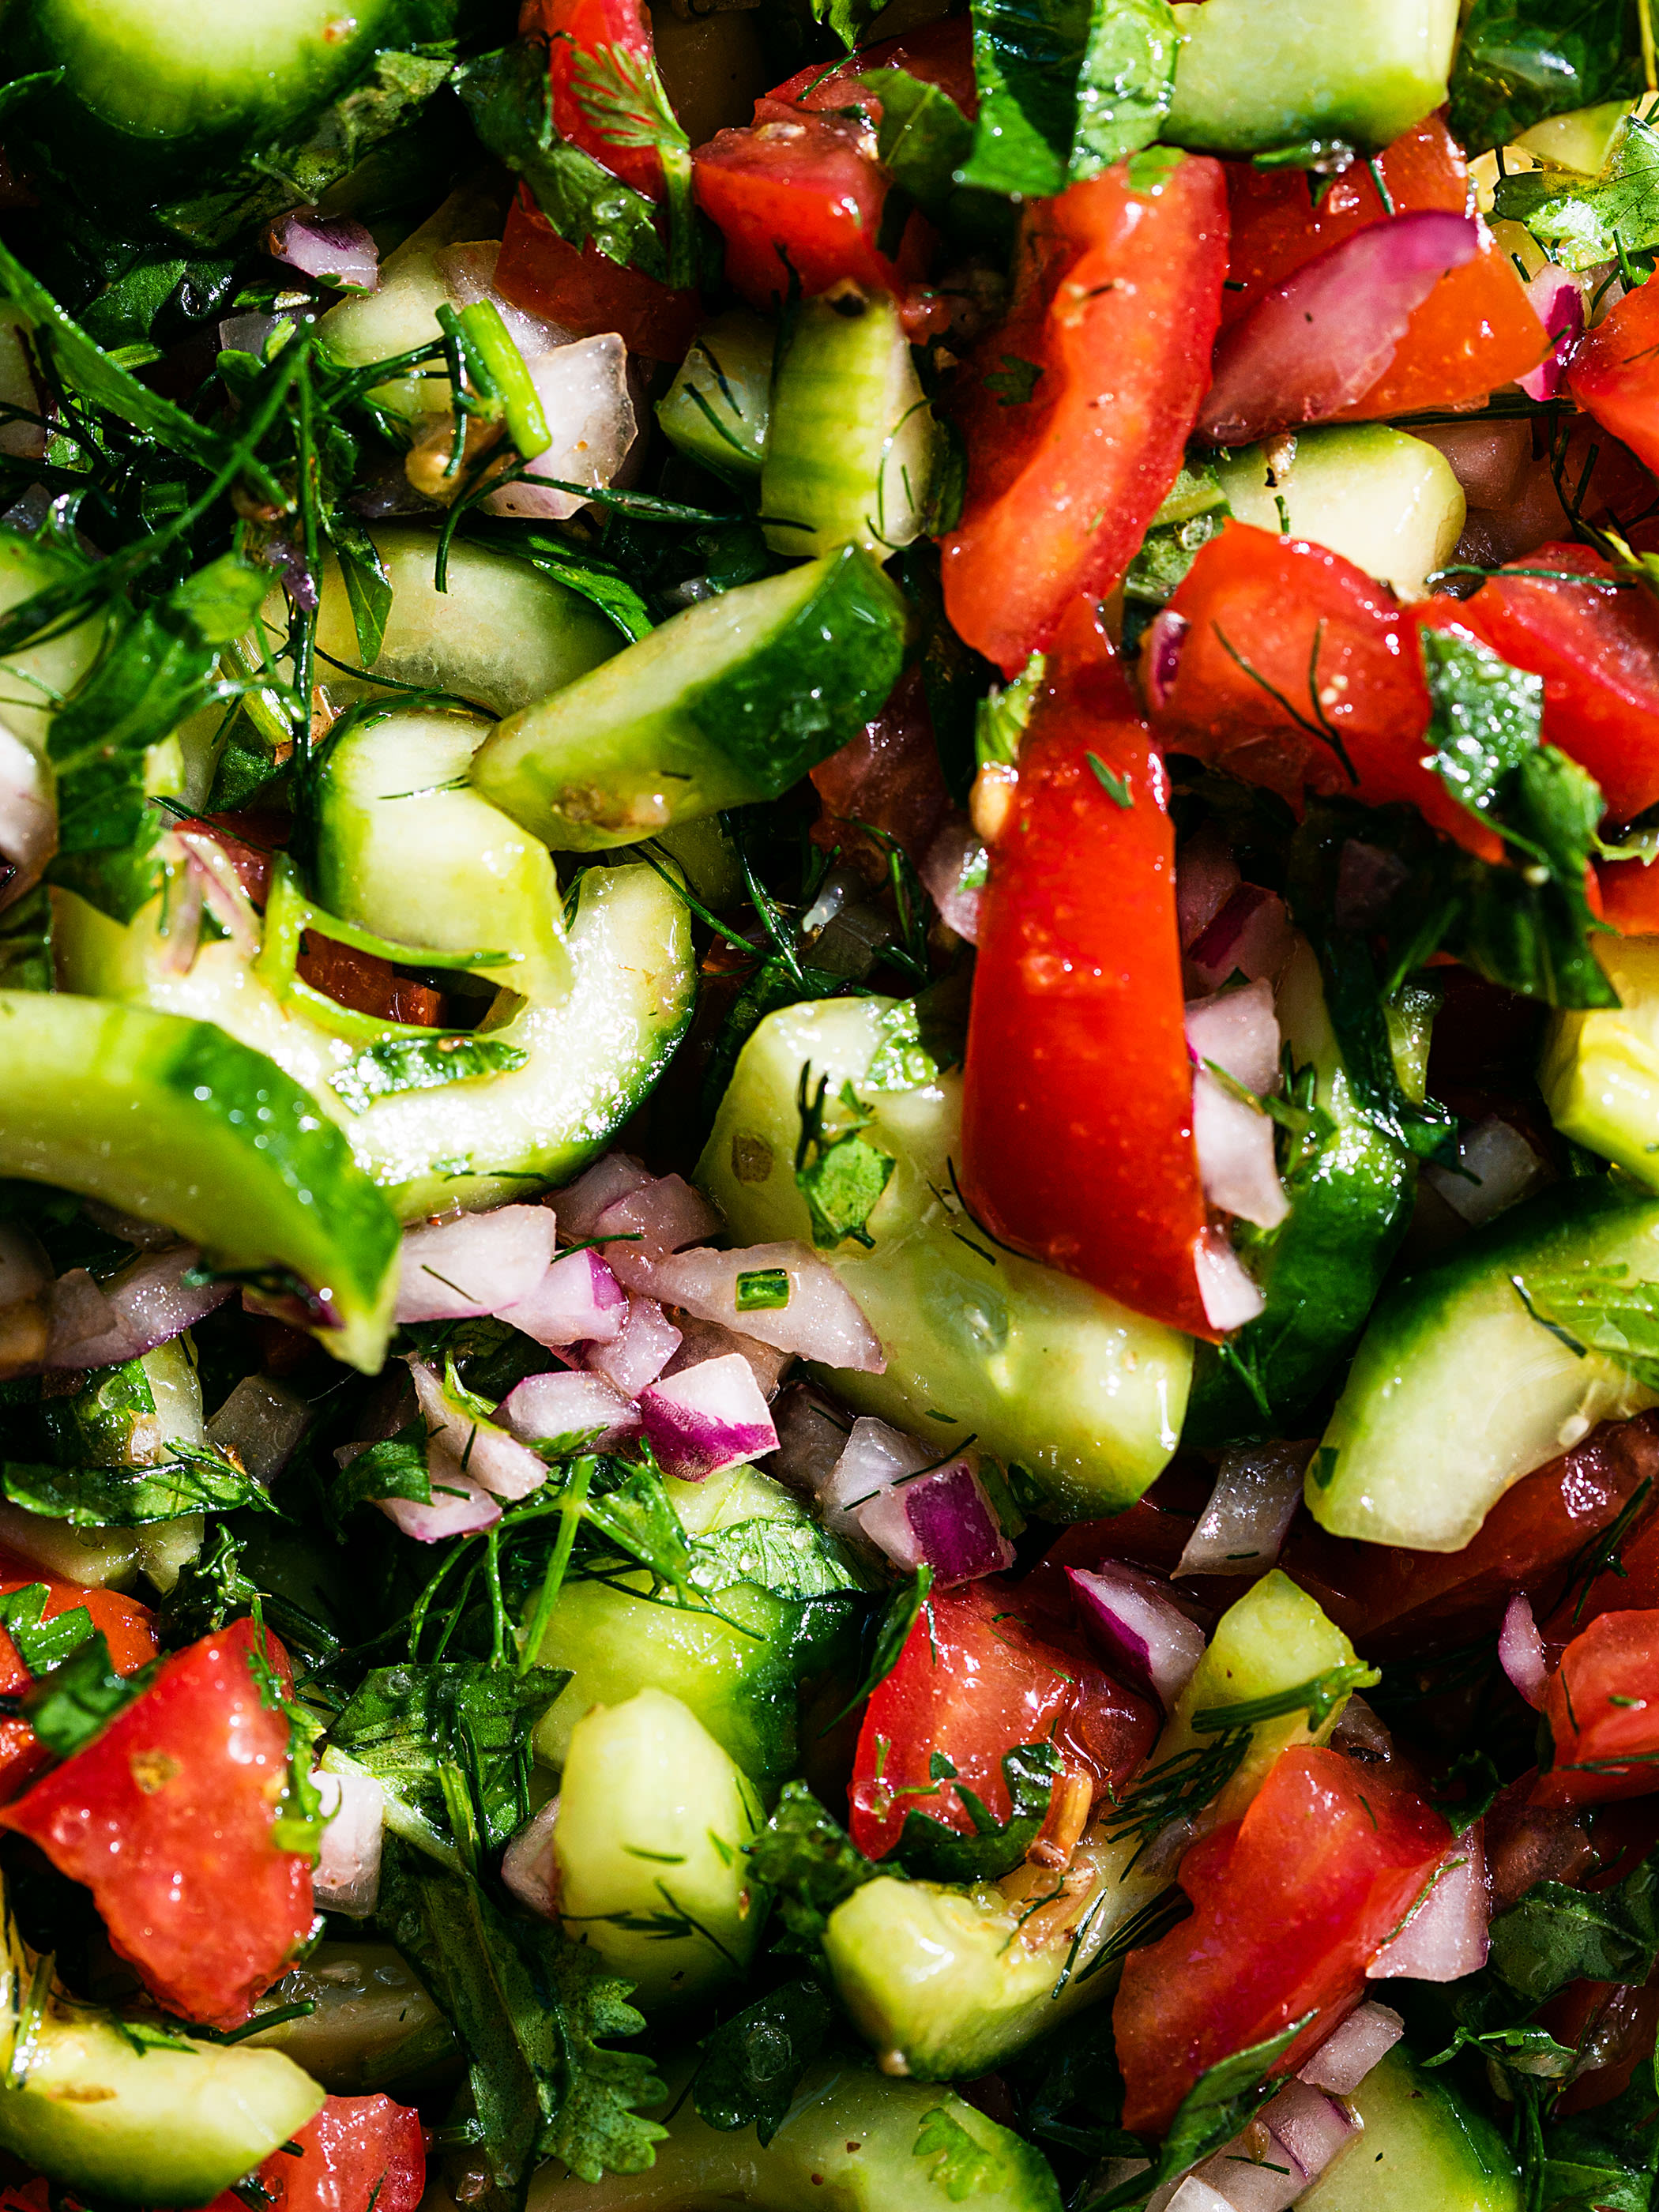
(1256, 74)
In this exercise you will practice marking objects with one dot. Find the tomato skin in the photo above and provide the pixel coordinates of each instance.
(574, 28)
(128, 1628)
(1077, 1096)
(1290, 609)
(1117, 298)
(587, 292)
(974, 1678)
(1629, 898)
(1598, 653)
(356, 2155)
(1614, 373)
(1289, 1908)
(167, 1816)
(1604, 1750)
(937, 53)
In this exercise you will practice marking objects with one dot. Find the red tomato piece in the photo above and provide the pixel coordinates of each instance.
(1286, 643)
(1612, 2025)
(1614, 373)
(356, 2155)
(938, 53)
(1116, 300)
(887, 778)
(587, 292)
(973, 1681)
(1289, 1908)
(575, 30)
(1602, 1709)
(1628, 897)
(167, 1816)
(1596, 647)
(366, 983)
(128, 1629)
(1078, 1100)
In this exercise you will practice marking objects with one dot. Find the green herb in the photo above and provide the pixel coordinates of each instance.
(763, 1290)
(77, 1699)
(794, 1560)
(1583, 222)
(1483, 1782)
(752, 2065)
(622, 97)
(26, 962)
(394, 1467)
(841, 1178)
(934, 1851)
(1066, 88)
(1116, 787)
(1600, 1309)
(1214, 2110)
(1555, 1935)
(847, 19)
(1487, 718)
(1015, 384)
(809, 1864)
(963, 2166)
(40, 1644)
(1177, 1787)
(1519, 61)
(1324, 1695)
(400, 1064)
(123, 1498)
(923, 137)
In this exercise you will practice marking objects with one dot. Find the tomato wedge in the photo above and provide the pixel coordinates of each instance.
(1602, 1711)
(127, 1628)
(1614, 373)
(168, 1818)
(1076, 409)
(1290, 1906)
(1077, 1090)
(578, 33)
(975, 1679)
(585, 291)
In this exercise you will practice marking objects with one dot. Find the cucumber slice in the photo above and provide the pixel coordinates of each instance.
(854, 449)
(1388, 502)
(718, 411)
(1457, 1391)
(1423, 2147)
(37, 678)
(407, 848)
(730, 701)
(1600, 1071)
(1253, 74)
(177, 1122)
(588, 1063)
(1085, 1396)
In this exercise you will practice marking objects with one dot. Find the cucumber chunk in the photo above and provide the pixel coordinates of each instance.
(854, 449)
(35, 678)
(1423, 2147)
(177, 1122)
(653, 1822)
(1600, 1071)
(407, 848)
(1388, 502)
(1083, 1394)
(402, 316)
(730, 701)
(718, 411)
(1253, 74)
(1457, 1391)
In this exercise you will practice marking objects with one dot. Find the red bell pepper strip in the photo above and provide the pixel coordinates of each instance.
(1602, 1713)
(1077, 1102)
(127, 1629)
(168, 1816)
(1614, 373)
(1077, 408)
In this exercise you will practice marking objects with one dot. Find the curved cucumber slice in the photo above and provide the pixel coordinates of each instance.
(1083, 1394)
(1481, 1365)
(1600, 1073)
(1252, 75)
(1385, 502)
(407, 848)
(36, 679)
(177, 1122)
(719, 408)
(1423, 2146)
(730, 701)
(588, 1062)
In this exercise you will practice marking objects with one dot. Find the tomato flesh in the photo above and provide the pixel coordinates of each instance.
(1614, 373)
(1602, 1711)
(1077, 1092)
(575, 30)
(1117, 298)
(167, 1816)
(1289, 1908)
(128, 1629)
(356, 2155)
(583, 290)
(937, 53)
(974, 1680)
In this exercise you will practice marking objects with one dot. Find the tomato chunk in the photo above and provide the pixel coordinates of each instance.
(1629, 895)
(576, 31)
(1614, 373)
(587, 292)
(1289, 1908)
(1075, 410)
(973, 1681)
(356, 2155)
(168, 1816)
(1596, 647)
(127, 1627)
(1602, 1710)
(938, 53)
(1077, 1090)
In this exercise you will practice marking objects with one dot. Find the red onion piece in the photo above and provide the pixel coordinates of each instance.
(706, 1419)
(953, 870)
(26, 1285)
(1293, 2139)
(459, 1506)
(1231, 1293)
(142, 1305)
(546, 1408)
(709, 1340)
(584, 391)
(821, 1321)
(873, 1458)
(530, 1872)
(222, 892)
(347, 1876)
(1143, 1635)
(1503, 1166)
(262, 1422)
(1251, 936)
(1345, 2057)
(1160, 656)
(503, 1466)
(1319, 340)
(653, 1219)
(1446, 1936)
(24, 1270)
(642, 1348)
(945, 1520)
(28, 818)
(334, 248)
(577, 1301)
(1558, 302)
(1257, 1490)
(1207, 876)
(583, 1201)
(459, 1270)
(1520, 1651)
(1239, 1031)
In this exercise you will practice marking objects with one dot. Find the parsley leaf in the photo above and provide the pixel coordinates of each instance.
(82, 1694)
(841, 1178)
(752, 2065)
(394, 1467)
(400, 1064)
(810, 1863)
(1555, 1935)
(622, 97)
(847, 19)
(932, 1851)
(1599, 1309)
(40, 1644)
(124, 1496)
(1066, 88)
(1015, 382)
(923, 137)
(1519, 61)
(1582, 221)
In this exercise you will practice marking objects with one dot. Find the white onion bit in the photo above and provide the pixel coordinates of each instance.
(1257, 1490)
(347, 1876)
(1447, 1935)
(530, 1872)
(1520, 1651)
(1143, 1636)
(1346, 2057)
(1230, 1294)
(457, 1270)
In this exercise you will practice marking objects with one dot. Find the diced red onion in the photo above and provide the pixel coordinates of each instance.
(1143, 1635)
(543, 1409)
(702, 1339)
(28, 817)
(871, 1460)
(1520, 1651)
(1250, 936)
(1289, 2142)
(812, 1434)
(459, 1270)
(1558, 300)
(944, 1520)
(577, 1301)
(1231, 1293)
(530, 1872)
(1318, 340)
(582, 1204)
(492, 1457)
(1207, 876)
(221, 891)
(1257, 1490)
(1239, 1031)
(459, 1506)
(953, 870)
(262, 1422)
(642, 1348)
(1447, 1935)
(584, 391)
(708, 1418)
(821, 1321)
(1360, 1731)
(181, 924)
(142, 1305)
(655, 1218)
(1504, 1167)
(347, 1876)
(1160, 656)
(24, 1270)
(1348, 2055)
(1195, 2195)
(334, 248)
